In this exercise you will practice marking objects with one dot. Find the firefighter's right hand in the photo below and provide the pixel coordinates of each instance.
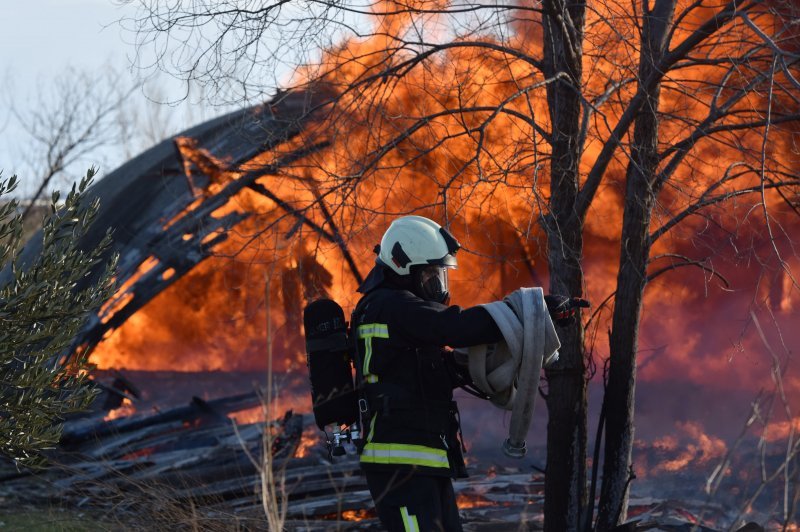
(563, 309)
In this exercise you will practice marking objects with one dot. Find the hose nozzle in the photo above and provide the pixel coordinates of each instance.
(513, 449)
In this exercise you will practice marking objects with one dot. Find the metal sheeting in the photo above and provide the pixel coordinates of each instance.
(140, 197)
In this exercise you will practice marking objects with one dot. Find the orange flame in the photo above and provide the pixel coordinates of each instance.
(248, 415)
(308, 441)
(464, 501)
(356, 515)
(127, 408)
(701, 451)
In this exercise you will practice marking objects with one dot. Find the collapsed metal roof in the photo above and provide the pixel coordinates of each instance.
(138, 199)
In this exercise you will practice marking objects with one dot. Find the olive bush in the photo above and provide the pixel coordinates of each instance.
(43, 304)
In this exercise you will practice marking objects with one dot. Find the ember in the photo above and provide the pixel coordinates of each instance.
(473, 501)
(357, 515)
(138, 453)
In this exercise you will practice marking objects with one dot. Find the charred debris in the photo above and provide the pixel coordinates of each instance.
(194, 465)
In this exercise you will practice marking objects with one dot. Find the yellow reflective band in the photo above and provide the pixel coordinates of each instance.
(372, 427)
(367, 358)
(410, 523)
(367, 332)
(374, 330)
(402, 454)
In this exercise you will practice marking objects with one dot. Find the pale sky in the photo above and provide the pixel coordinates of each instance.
(39, 40)
(38, 37)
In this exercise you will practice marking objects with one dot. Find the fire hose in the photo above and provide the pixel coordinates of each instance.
(508, 372)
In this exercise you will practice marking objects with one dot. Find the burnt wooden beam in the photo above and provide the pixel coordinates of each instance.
(118, 426)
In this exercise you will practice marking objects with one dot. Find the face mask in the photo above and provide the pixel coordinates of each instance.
(434, 285)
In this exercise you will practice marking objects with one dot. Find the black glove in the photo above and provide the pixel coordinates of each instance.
(457, 364)
(563, 309)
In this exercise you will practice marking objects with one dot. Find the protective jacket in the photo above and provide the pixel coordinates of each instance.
(409, 379)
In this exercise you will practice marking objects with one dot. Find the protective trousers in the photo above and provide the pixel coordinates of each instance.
(410, 502)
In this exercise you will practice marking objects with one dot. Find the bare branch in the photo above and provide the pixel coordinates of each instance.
(716, 22)
(705, 201)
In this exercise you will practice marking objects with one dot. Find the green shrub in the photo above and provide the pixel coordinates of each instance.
(42, 308)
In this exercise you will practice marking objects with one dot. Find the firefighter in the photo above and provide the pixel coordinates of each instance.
(405, 333)
(403, 325)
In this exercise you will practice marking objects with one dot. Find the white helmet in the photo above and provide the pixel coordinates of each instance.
(415, 240)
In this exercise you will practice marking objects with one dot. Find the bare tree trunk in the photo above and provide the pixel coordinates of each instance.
(565, 479)
(632, 277)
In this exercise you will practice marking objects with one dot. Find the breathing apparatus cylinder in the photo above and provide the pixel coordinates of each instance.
(328, 355)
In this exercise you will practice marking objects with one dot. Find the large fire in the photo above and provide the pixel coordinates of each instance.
(485, 175)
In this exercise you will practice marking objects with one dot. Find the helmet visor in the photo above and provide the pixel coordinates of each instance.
(434, 282)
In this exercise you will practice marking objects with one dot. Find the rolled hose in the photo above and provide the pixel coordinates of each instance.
(508, 372)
